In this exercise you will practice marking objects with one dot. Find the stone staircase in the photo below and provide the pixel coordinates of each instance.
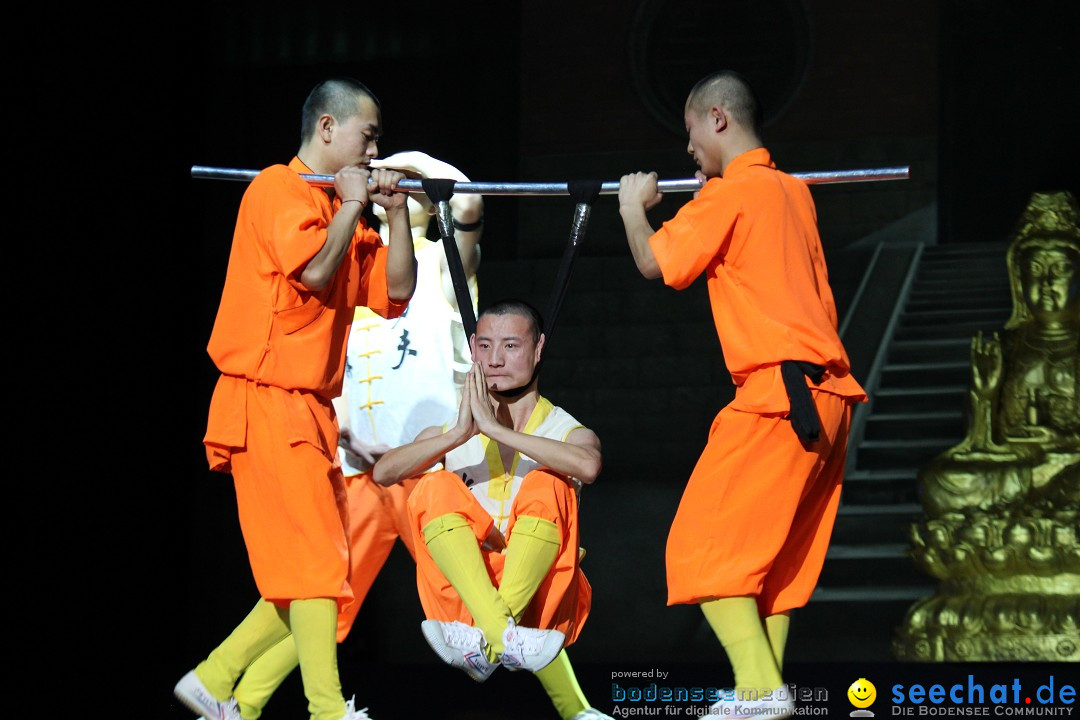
(918, 386)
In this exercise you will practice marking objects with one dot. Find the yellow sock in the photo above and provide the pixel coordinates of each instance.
(530, 552)
(561, 685)
(264, 677)
(457, 555)
(776, 627)
(263, 627)
(738, 626)
(314, 626)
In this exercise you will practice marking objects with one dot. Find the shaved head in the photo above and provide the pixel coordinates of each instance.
(338, 97)
(514, 306)
(731, 91)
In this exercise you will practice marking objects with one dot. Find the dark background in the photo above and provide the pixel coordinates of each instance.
(979, 98)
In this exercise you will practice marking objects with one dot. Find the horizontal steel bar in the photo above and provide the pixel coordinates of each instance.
(555, 188)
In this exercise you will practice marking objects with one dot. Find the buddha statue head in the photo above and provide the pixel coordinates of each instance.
(1044, 266)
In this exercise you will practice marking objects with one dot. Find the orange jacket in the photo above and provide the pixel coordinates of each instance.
(269, 327)
(273, 331)
(753, 232)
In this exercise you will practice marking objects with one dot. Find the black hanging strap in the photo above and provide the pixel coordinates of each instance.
(584, 193)
(439, 191)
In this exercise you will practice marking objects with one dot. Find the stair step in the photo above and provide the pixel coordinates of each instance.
(879, 511)
(915, 374)
(987, 261)
(921, 399)
(937, 316)
(961, 330)
(887, 486)
(978, 284)
(889, 569)
(965, 248)
(930, 350)
(983, 272)
(849, 626)
(872, 595)
(892, 453)
(926, 302)
(878, 551)
(909, 426)
(875, 524)
(893, 474)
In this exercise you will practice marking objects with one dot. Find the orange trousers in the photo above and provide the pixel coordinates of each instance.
(290, 493)
(757, 513)
(378, 516)
(563, 599)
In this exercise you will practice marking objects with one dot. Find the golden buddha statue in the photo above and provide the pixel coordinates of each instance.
(1001, 508)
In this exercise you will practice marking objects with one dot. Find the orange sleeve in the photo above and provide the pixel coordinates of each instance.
(367, 276)
(296, 221)
(699, 233)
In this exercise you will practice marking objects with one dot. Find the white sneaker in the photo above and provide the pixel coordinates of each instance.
(529, 648)
(351, 713)
(779, 705)
(461, 646)
(591, 714)
(198, 700)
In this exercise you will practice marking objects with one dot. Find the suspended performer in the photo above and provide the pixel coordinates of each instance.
(749, 538)
(302, 259)
(496, 527)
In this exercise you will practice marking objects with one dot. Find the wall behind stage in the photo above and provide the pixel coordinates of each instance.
(843, 85)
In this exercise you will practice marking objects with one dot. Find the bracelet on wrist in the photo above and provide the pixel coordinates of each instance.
(363, 203)
(467, 227)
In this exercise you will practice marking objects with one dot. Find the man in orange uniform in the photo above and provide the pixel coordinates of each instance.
(750, 535)
(402, 375)
(496, 531)
(302, 259)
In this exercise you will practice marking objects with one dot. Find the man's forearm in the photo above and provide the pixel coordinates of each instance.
(413, 458)
(339, 234)
(579, 461)
(638, 232)
(400, 259)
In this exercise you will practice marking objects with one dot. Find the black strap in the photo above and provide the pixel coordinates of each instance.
(804, 415)
(440, 190)
(583, 193)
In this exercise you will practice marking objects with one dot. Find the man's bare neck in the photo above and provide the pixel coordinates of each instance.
(514, 412)
(310, 156)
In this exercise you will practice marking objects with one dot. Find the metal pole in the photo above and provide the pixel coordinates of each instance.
(557, 188)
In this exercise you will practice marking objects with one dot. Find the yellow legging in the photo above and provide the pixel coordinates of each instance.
(739, 628)
(530, 552)
(313, 624)
(561, 685)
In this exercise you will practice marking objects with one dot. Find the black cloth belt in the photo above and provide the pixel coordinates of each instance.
(804, 415)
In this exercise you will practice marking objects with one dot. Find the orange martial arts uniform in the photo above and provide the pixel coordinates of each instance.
(564, 597)
(756, 515)
(280, 348)
(378, 516)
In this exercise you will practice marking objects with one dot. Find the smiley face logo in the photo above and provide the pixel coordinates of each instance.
(862, 693)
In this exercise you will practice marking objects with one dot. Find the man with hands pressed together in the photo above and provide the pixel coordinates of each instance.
(497, 543)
